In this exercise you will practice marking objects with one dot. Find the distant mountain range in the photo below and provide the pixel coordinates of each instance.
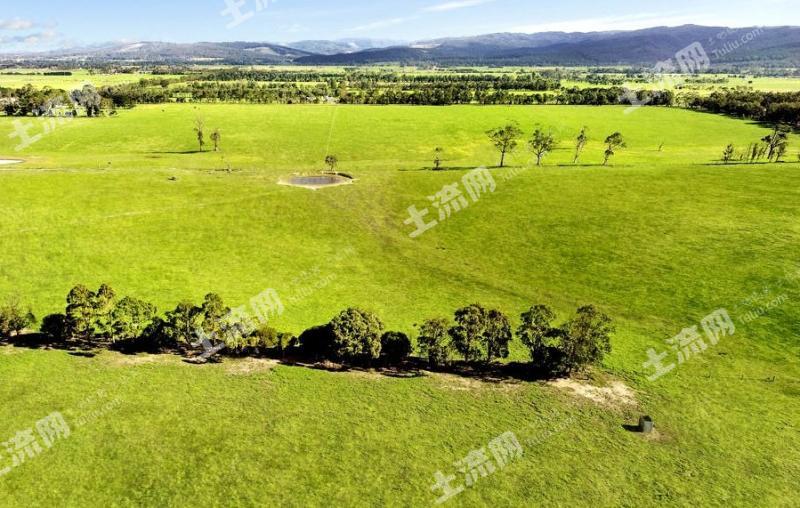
(771, 46)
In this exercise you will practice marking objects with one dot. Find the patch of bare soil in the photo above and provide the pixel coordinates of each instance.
(467, 384)
(616, 394)
(121, 360)
(248, 366)
(8, 350)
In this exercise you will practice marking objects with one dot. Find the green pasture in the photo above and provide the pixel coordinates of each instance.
(658, 239)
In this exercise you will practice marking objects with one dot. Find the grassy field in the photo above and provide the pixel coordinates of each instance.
(17, 78)
(658, 240)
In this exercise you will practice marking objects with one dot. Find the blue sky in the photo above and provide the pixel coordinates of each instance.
(47, 24)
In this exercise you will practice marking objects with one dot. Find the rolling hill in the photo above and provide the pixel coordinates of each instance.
(769, 46)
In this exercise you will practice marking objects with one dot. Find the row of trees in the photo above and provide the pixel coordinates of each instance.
(378, 88)
(479, 335)
(506, 139)
(772, 148)
(773, 107)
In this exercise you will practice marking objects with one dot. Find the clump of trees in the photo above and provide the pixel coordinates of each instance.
(88, 98)
(773, 107)
(583, 340)
(483, 335)
(772, 148)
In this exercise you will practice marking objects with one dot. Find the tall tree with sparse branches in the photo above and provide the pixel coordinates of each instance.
(613, 143)
(580, 144)
(505, 139)
(199, 129)
(541, 144)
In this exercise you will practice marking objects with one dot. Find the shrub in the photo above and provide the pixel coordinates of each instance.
(582, 341)
(54, 327)
(356, 335)
(538, 334)
(434, 341)
(317, 342)
(395, 347)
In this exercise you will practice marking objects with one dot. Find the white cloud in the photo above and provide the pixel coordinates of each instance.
(455, 5)
(16, 24)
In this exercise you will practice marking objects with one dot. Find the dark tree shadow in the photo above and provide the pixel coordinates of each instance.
(409, 368)
(183, 152)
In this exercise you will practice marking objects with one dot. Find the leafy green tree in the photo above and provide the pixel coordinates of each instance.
(434, 341)
(395, 347)
(131, 318)
(613, 143)
(777, 142)
(103, 305)
(541, 144)
(357, 335)
(80, 314)
(481, 334)
(467, 334)
(214, 316)
(580, 144)
(505, 140)
(14, 319)
(331, 161)
(181, 325)
(537, 333)
(587, 339)
(727, 154)
(497, 335)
